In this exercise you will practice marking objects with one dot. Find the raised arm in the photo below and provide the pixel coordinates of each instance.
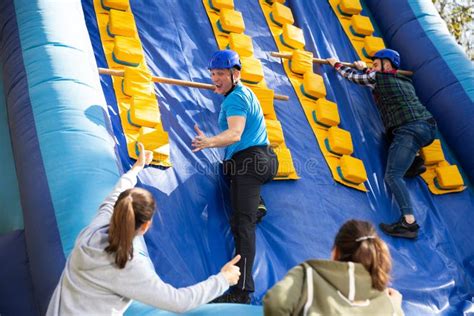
(361, 75)
(126, 181)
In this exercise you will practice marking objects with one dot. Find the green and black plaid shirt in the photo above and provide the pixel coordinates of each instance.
(394, 94)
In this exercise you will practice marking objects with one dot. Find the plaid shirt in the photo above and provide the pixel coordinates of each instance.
(394, 94)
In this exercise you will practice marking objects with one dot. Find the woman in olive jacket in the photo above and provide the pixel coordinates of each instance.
(353, 283)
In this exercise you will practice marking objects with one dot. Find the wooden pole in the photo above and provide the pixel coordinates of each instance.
(324, 61)
(178, 82)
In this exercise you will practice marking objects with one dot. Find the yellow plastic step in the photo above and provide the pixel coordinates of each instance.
(281, 14)
(352, 170)
(313, 86)
(136, 82)
(433, 153)
(241, 44)
(349, 7)
(144, 112)
(361, 26)
(275, 132)
(231, 21)
(292, 37)
(218, 5)
(265, 98)
(372, 45)
(127, 51)
(448, 177)
(156, 140)
(301, 62)
(285, 162)
(325, 113)
(252, 70)
(121, 23)
(122, 5)
(339, 141)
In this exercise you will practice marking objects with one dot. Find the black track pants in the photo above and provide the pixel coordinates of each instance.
(247, 170)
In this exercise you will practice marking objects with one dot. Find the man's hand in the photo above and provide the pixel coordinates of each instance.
(332, 61)
(360, 65)
(144, 157)
(231, 272)
(201, 141)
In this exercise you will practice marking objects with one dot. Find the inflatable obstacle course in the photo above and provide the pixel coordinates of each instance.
(55, 104)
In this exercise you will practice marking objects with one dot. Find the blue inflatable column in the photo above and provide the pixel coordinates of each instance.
(63, 148)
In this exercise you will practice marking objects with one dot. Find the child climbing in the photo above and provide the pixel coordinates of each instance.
(408, 124)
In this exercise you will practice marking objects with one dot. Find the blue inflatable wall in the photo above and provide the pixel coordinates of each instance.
(69, 149)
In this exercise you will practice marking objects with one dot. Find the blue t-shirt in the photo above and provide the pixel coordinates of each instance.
(243, 102)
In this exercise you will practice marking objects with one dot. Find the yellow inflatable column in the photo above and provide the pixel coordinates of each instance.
(334, 142)
(136, 100)
(357, 27)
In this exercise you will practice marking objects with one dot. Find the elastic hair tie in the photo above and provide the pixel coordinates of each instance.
(364, 238)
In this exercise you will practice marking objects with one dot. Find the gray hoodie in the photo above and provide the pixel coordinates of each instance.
(91, 283)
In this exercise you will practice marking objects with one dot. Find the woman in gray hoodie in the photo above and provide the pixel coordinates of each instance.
(107, 270)
(354, 282)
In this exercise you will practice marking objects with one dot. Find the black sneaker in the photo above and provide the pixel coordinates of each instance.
(416, 168)
(261, 210)
(235, 298)
(401, 229)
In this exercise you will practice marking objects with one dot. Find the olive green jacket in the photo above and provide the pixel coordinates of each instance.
(320, 287)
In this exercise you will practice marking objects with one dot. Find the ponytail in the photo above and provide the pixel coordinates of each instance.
(382, 265)
(133, 208)
(357, 241)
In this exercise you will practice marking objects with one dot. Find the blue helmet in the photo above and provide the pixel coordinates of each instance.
(389, 54)
(225, 59)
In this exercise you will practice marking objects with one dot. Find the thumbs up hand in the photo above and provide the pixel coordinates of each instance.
(231, 272)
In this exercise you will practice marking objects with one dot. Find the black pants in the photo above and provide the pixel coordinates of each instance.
(247, 170)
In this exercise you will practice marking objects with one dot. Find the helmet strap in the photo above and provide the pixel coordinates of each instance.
(233, 82)
(232, 77)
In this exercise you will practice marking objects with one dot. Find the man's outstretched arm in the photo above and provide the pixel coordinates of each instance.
(362, 76)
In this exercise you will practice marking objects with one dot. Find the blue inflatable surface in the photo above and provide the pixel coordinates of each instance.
(68, 153)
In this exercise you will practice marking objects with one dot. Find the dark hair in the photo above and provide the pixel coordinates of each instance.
(133, 208)
(357, 241)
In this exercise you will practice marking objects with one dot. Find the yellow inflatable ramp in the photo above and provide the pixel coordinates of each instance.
(358, 28)
(322, 115)
(136, 100)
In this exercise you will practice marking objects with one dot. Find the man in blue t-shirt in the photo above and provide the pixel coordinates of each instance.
(249, 161)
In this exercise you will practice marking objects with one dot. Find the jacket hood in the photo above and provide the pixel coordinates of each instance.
(351, 279)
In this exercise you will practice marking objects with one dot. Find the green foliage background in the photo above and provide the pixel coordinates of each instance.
(459, 17)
